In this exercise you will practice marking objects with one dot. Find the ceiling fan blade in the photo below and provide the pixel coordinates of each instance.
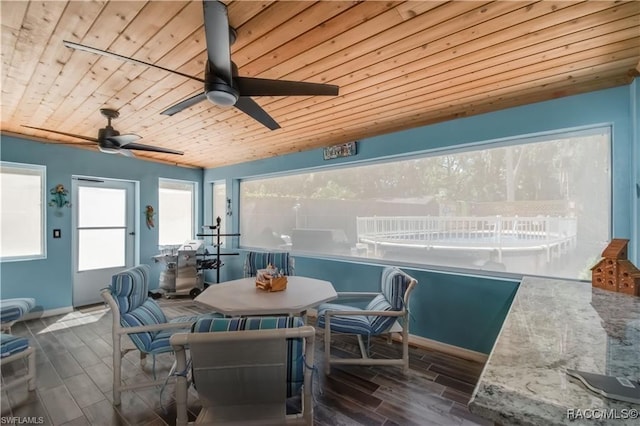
(90, 49)
(141, 147)
(126, 153)
(255, 111)
(87, 138)
(249, 86)
(189, 102)
(70, 143)
(216, 28)
(122, 140)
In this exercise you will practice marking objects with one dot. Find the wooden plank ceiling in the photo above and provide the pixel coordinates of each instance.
(398, 64)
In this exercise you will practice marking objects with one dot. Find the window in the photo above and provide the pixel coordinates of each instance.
(176, 211)
(533, 206)
(22, 198)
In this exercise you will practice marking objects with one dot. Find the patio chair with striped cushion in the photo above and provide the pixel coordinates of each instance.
(12, 310)
(387, 312)
(255, 260)
(14, 348)
(245, 370)
(139, 316)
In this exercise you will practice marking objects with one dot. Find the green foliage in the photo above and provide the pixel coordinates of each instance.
(550, 170)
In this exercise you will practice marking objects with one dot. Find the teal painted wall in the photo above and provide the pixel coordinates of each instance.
(50, 280)
(462, 310)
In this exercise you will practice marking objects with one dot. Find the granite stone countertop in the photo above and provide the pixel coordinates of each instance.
(554, 325)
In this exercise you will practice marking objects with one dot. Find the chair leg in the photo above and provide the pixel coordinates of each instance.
(6, 327)
(364, 350)
(405, 349)
(31, 360)
(117, 372)
(327, 344)
(181, 387)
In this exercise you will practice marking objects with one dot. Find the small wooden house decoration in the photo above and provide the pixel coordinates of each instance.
(615, 272)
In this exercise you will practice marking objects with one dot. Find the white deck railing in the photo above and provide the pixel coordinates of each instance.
(490, 232)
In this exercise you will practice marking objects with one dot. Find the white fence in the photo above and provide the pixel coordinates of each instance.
(501, 233)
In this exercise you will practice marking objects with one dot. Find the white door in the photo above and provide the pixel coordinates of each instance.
(104, 234)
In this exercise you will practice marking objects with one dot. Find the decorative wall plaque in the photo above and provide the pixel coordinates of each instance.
(341, 150)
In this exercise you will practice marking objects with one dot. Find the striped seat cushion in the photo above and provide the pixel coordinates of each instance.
(260, 260)
(10, 344)
(160, 342)
(394, 284)
(14, 309)
(380, 324)
(295, 361)
(149, 313)
(349, 324)
(130, 288)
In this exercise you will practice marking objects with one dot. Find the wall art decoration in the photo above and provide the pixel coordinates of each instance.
(341, 150)
(59, 197)
(149, 213)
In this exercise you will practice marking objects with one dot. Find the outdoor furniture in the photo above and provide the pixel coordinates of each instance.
(240, 297)
(138, 316)
(12, 310)
(14, 348)
(387, 312)
(244, 370)
(255, 260)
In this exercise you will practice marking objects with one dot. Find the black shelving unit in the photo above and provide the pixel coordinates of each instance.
(217, 244)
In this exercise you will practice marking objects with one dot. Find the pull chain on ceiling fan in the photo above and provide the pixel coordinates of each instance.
(222, 85)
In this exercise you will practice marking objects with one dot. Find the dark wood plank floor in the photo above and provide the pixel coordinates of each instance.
(74, 379)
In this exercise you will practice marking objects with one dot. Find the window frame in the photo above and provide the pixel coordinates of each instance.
(514, 140)
(194, 206)
(42, 172)
(217, 184)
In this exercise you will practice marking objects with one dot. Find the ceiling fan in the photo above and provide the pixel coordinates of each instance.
(222, 85)
(109, 140)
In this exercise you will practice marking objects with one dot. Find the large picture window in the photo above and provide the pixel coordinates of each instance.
(532, 206)
(176, 211)
(22, 208)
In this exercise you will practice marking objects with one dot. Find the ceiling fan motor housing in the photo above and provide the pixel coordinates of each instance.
(105, 134)
(218, 91)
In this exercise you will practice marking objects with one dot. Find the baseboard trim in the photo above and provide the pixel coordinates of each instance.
(426, 343)
(47, 313)
(448, 349)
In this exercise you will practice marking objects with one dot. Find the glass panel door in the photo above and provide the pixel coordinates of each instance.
(104, 235)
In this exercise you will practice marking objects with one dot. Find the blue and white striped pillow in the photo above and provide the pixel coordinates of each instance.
(10, 344)
(394, 285)
(130, 287)
(14, 309)
(260, 260)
